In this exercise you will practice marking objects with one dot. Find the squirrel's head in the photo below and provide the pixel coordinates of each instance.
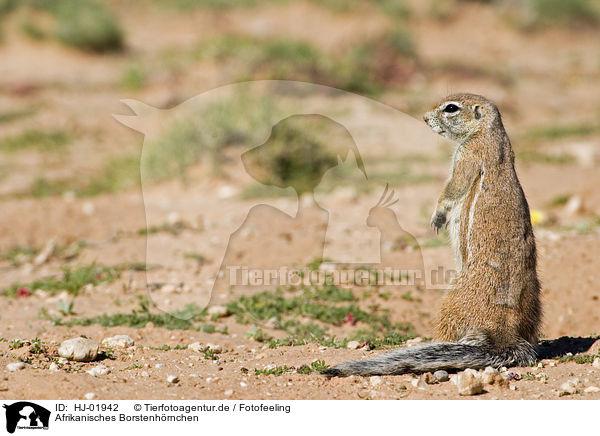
(459, 117)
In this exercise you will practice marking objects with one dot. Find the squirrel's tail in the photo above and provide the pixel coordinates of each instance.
(435, 356)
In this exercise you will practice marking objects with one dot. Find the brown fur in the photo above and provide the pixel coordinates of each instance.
(491, 315)
(495, 294)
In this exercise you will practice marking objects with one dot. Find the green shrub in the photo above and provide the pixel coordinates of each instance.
(532, 14)
(87, 25)
(43, 140)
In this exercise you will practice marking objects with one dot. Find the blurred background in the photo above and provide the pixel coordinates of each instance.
(70, 173)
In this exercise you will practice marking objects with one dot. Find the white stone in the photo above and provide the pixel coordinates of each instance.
(414, 341)
(98, 370)
(596, 363)
(574, 206)
(173, 218)
(118, 341)
(228, 392)
(196, 346)
(215, 348)
(488, 376)
(54, 367)
(88, 208)
(591, 389)
(467, 383)
(243, 384)
(217, 311)
(353, 345)
(89, 396)
(79, 349)
(168, 289)
(15, 366)
(46, 252)
(226, 192)
(375, 380)
(569, 387)
(172, 379)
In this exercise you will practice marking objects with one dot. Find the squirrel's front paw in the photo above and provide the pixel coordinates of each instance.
(438, 220)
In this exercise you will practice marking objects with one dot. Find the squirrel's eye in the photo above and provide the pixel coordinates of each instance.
(450, 108)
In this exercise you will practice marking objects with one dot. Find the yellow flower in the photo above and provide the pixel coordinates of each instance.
(537, 217)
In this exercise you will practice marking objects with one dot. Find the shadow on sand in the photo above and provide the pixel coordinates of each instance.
(548, 349)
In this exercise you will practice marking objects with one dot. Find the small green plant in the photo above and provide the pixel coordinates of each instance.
(86, 25)
(134, 366)
(37, 347)
(13, 115)
(184, 319)
(72, 280)
(326, 306)
(117, 174)
(199, 258)
(258, 335)
(42, 140)
(316, 366)
(276, 371)
(407, 296)
(18, 255)
(16, 344)
(554, 132)
(535, 14)
(205, 133)
(134, 77)
(66, 308)
(534, 156)
(166, 347)
(559, 200)
(172, 228)
(578, 358)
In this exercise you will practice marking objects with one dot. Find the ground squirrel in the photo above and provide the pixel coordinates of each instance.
(491, 314)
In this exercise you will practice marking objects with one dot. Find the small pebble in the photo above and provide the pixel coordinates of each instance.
(159, 365)
(118, 341)
(228, 392)
(173, 379)
(467, 383)
(419, 382)
(353, 345)
(591, 389)
(243, 384)
(90, 396)
(79, 349)
(215, 348)
(54, 367)
(375, 380)
(596, 363)
(15, 366)
(569, 387)
(413, 342)
(98, 370)
(196, 346)
(217, 311)
(441, 376)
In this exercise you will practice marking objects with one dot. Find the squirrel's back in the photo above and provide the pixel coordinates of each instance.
(491, 315)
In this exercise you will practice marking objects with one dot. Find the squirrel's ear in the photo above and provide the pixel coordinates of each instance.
(477, 111)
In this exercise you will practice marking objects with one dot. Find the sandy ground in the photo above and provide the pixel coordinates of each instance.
(554, 82)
